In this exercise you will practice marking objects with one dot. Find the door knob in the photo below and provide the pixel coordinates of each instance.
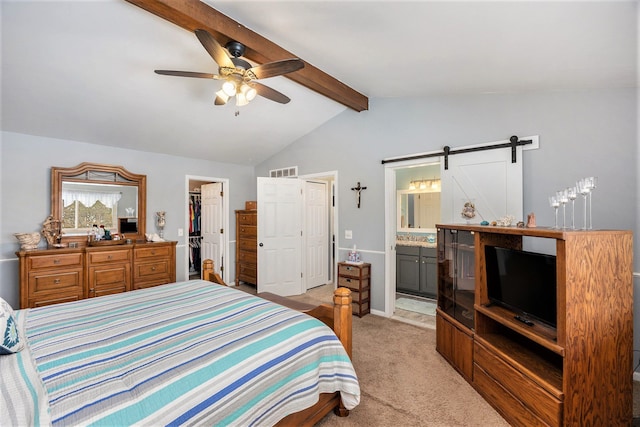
(261, 245)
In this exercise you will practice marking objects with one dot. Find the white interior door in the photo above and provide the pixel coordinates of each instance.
(280, 236)
(211, 224)
(488, 179)
(316, 239)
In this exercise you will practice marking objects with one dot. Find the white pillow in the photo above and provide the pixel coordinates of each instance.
(10, 340)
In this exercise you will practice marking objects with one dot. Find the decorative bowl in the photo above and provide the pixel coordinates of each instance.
(28, 241)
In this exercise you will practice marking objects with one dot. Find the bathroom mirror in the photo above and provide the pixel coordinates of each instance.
(93, 193)
(418, 211)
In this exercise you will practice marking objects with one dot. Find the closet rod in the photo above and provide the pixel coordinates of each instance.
(447, 151)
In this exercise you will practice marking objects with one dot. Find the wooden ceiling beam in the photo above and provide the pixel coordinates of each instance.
(194, 14)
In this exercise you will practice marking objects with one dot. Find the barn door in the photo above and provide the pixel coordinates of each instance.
(488, 179)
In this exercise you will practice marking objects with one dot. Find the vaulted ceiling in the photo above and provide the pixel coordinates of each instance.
(83, 70)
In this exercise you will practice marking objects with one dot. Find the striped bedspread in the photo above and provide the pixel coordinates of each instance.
(191, 353)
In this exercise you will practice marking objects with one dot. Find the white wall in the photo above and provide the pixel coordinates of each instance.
(25, 183)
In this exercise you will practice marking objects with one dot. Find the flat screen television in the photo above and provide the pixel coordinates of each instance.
(524, 282)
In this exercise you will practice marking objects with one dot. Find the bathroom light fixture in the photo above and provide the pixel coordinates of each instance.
(425, 184)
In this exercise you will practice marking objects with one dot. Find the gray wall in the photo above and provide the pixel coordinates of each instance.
(583, 133)
(25, 182)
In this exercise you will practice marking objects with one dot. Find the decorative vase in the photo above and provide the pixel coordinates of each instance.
(28, 241)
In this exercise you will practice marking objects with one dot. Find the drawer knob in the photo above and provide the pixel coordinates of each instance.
(109, 257)
(153, 268)
(56, 281)
(56, 261)
(153, 252)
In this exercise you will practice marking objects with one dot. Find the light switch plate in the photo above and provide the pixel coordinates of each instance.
(348, 234)
(180, 232)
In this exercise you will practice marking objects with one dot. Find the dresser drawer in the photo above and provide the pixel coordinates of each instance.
(352, 283)
(247, 257)
(249, 245)
(354, 270)
(512, 409)
(248, 230)
(151, 270)
(247, 219)
(360, 309)
(55, 261)
(541, 403)
(360, 296)
(249, 271)
(152, 252)
(68, 280)
(109, 256)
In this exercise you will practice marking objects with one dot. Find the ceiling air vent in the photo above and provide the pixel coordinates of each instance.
(284, 172)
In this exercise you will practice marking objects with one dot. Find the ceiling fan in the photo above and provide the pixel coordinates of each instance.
(238, 74)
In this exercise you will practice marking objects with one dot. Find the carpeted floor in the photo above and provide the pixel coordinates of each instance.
(409, 383)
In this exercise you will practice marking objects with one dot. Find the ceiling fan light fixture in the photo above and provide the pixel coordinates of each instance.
(221, 97)
(247, 91)
(229, 88)
(241, 99)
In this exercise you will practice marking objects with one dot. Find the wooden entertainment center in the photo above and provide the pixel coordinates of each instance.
(578, 373)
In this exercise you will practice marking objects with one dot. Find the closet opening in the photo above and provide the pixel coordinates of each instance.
(207, 218)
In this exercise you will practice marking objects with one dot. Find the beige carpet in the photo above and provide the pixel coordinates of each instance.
(404, 382)
(408, 383)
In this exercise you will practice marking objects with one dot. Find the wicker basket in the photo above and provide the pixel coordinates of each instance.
(28, 241)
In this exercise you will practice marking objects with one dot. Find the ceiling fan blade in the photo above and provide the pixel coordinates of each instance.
(277, 68)
(188, 74)
(214, 48)
(269, 93)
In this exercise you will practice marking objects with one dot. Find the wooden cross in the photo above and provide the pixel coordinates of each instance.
(358, 189)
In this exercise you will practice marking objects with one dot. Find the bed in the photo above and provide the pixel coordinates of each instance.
(187, 353)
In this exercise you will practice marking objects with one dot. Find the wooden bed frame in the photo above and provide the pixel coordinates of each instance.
(337, 316)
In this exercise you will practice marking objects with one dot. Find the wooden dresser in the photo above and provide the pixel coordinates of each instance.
(247, 246)
(51, 276)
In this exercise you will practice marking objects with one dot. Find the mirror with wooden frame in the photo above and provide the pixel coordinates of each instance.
(93, 193)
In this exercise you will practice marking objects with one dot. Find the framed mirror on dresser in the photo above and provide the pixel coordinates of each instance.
(75, 266)
(93, 193)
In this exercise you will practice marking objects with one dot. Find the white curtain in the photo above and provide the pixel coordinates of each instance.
(89, 198)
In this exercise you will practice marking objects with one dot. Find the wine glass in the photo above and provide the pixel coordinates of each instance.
(572, 194)
(592, 183)
(584, 189)
(555, 204)
(563, 198)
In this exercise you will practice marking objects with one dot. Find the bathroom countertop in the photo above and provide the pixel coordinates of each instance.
(415, 243)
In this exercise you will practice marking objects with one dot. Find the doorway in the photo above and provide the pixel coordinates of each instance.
(417, 211)
(207, 218)
(297, 213)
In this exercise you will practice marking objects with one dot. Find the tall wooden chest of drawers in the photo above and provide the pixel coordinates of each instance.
(247, 246)
(356, 277)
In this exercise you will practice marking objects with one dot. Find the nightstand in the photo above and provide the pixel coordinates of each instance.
(356, 277)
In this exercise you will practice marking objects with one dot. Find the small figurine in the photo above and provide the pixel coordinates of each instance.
(531, 220)
(468, 211)
(52, 230)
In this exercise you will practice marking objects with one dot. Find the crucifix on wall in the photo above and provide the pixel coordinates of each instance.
(358, 189)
